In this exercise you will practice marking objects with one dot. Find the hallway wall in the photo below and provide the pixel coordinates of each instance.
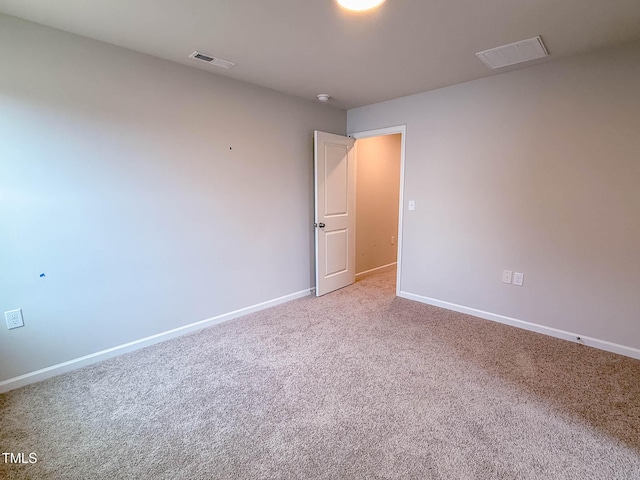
(377, 199)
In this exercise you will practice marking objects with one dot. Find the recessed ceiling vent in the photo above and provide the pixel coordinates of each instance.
(513, 53)
(218, 62)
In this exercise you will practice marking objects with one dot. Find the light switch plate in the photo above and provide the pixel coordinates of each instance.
(412, 205)
(506, 276)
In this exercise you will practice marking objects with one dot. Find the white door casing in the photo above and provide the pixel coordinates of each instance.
(402, 130)
(335, 216)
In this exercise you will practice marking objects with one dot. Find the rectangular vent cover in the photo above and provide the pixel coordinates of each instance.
(218, 62)
(513, 53)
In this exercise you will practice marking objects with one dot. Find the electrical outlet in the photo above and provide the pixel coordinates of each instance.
(14, 318)
(393, 240)
(506, 276)
(518, 278)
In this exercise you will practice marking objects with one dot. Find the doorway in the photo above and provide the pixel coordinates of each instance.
(377, 200)
(401, 131)
(335, 210)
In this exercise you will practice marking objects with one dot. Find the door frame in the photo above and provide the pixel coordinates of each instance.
(402, 130)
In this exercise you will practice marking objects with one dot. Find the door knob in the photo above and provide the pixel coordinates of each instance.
(321, 225)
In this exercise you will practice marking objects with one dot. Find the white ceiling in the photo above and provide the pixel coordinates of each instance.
(306, 47)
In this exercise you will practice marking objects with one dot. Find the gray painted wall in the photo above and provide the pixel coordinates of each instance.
(536, 171)
(377, 197)
(151, 195)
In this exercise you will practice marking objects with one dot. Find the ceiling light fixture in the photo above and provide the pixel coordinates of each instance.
(360, 5)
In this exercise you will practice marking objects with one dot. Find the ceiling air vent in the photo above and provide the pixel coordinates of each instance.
(513, 53)
(218, 62)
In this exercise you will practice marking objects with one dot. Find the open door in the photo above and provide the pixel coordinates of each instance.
(335, 217)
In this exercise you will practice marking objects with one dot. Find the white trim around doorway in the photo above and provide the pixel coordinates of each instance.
(402, 130)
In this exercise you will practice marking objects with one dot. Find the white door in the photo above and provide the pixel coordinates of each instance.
(335, 217)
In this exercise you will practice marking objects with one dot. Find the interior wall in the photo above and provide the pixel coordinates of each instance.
(377, 199)
(534, 171)
(151, 195)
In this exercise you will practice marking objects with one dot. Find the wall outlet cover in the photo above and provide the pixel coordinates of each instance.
(518, 278)
(14, 318)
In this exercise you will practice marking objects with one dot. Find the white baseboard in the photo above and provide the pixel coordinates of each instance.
(514, 322)
(377, 268)
(53, 370)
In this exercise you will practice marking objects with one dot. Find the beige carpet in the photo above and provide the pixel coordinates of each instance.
(357, 384)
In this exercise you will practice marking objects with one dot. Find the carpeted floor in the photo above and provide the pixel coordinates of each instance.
(356, 384)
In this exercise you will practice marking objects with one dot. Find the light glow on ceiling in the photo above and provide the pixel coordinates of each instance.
(360, 5)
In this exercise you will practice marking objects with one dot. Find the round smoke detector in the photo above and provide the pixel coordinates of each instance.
(323, 97)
